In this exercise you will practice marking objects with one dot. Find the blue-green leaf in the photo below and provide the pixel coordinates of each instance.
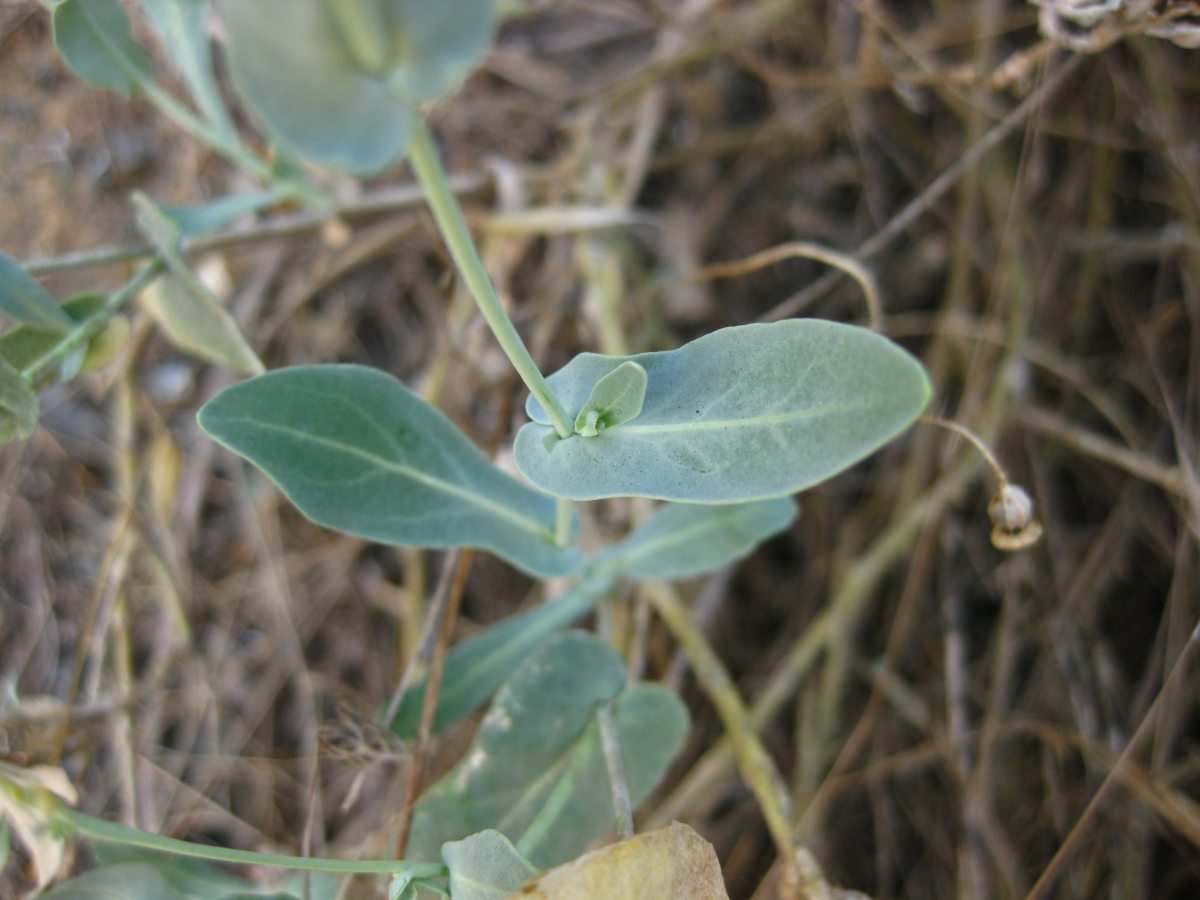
(25, 300)
(340, 80)
(355, 450)
(436, 44)
(182, 26)
(475, 668)
(197, 880)
(616, 398)
(201, 217)
(94, 38)
(129, 881)
(18, 405)
(24, 346)
(536, 771)
(684, 539)
(485, 866)
(741, 414)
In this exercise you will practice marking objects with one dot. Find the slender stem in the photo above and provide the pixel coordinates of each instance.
(112, 833)
(609, 741)
(91, 326)
(423, 156)
(757, 768)
(377, 202)
(201, 130)
(562, 522)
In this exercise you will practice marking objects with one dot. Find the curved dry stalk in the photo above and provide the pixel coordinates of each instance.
(804, 250)
(756, 766)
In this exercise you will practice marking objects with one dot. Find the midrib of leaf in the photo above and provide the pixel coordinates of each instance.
(565, 774)
(747, 422)
(404, 471)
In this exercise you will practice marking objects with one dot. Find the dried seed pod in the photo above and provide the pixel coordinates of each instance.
(1013, 524)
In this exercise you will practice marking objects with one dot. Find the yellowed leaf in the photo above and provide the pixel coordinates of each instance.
(673, 863)
(164, 474)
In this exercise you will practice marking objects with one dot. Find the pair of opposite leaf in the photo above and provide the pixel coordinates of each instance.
(746, 413)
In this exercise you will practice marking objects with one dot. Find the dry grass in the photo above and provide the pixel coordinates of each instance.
(950, 720)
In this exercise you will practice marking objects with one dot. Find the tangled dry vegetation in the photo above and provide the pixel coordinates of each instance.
(952, 720)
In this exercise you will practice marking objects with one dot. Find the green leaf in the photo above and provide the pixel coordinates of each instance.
(199, 218)
(616, 398)
(181, 304)
(485, 866)
(744, 413)
(199, 880)
(292, 69)
(355, 450)
(128, 881)
(18, 405)
(24, 346)
(340, 80)
(536, 769)
(94, 38)
(437, 44)
(683, 539)
(678, 541)
(182, 26)
(672, 863)
(5, 843)
(25, 300)
(475, 668)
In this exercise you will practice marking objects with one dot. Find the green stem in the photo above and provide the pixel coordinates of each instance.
(423, 156)
(91, 326)
(562, 522)
(113, 833)
(757, 767)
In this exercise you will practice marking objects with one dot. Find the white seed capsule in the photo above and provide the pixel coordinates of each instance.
(1013, 524)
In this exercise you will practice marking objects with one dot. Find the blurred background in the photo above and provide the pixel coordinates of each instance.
(1026, 195)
